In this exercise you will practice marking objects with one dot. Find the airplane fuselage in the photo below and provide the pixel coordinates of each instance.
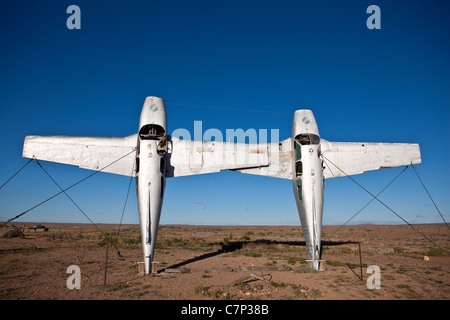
(150, 173)
(308, 180)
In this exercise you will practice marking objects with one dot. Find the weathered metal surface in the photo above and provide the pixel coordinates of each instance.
(305, 158)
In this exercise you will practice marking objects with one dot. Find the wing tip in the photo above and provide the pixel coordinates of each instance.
(25, 150)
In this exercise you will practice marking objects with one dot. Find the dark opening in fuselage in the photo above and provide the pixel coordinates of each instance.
(307, 139)
(152, 132)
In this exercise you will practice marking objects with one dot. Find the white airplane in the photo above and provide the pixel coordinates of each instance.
(152, 156)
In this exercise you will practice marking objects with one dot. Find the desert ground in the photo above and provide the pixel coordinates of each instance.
(224, 263)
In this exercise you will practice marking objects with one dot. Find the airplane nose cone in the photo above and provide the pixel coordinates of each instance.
(304, 122)
(153, 113)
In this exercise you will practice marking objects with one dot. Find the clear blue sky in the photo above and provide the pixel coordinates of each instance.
(387, 85)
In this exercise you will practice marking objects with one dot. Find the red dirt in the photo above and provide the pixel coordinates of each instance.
(226, 262)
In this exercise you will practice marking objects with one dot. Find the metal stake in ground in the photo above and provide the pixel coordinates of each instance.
(106, 264)
(360, 261)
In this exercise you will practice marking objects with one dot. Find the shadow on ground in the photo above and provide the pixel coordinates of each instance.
(237, 245)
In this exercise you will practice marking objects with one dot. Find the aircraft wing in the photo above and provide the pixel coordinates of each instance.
(93, 153)
(356, 158)
(280, 161)
(188, 157)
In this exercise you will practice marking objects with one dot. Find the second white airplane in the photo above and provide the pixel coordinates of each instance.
(152, 155)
